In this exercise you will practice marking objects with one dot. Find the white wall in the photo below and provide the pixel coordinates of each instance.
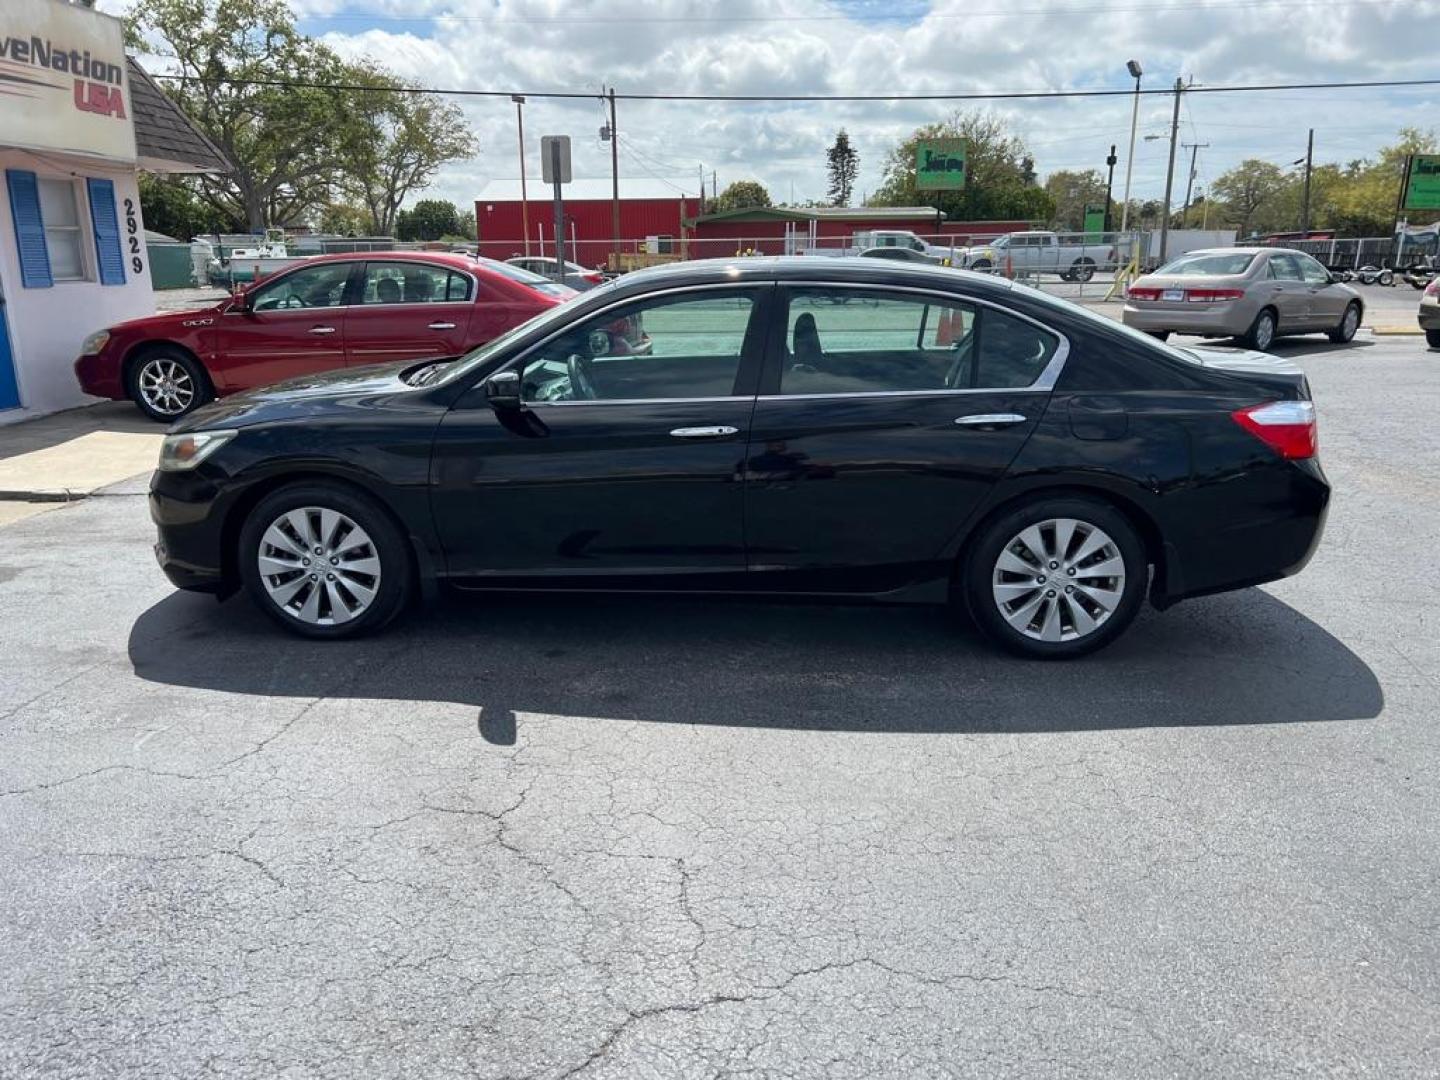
(48, 325)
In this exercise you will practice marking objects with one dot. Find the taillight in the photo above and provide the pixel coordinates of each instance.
(1433, 289)
(1144, 294)
(1210, 296)
(1287, 427)
(594, 278)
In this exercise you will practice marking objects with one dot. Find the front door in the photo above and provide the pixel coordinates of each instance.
(9, 385)
(293, 325)
(625, 461)
(1327, 300)
(884, 419)
(408, 311)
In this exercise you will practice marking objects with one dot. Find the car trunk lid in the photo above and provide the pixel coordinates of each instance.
(1275, 373)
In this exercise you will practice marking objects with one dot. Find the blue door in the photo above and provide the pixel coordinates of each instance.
(9, 390)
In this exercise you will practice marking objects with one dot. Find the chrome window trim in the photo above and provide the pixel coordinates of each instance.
(678, 290)
(1044, 382)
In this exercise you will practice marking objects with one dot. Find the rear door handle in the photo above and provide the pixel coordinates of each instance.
(322, 329)
(714, 432)
(990, 420)
(442, 326)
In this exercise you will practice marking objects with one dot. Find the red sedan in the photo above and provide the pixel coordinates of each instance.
(327, 312)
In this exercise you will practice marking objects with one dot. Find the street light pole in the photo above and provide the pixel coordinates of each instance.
(614, 187)
(1109, 182)
(519, 100)
(1194, 149)
(1305, 204)
(1134, 68)
(1170, 170)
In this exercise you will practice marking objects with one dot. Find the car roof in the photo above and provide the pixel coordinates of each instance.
(820, 268)
(1237, 251)
(444, 258)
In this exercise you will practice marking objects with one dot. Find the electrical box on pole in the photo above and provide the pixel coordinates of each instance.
(555, 170)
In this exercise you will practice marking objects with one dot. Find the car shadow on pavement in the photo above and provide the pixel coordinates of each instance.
(1243, 658)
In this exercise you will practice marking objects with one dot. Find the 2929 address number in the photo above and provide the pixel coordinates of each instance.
(132, 229)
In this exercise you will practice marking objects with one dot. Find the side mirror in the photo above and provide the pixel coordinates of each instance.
(502, 390)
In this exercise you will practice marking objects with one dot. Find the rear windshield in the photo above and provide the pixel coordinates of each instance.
(1209, 265)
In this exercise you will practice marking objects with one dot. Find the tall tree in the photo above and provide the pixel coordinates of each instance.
(170, 206)
(740, 195)
(286, 142)
(1000, 173)
(1247, 188)
(396, 140)
(1072, 191)
(428, 219)
(843, 165)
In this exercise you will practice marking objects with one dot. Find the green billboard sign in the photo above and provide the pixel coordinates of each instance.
(1094, 219)
(1422, 186)
(940, 164)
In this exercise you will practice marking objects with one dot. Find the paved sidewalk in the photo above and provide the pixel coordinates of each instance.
(72, 454)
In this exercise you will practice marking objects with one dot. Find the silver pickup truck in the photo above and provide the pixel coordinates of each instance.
(1035, 253)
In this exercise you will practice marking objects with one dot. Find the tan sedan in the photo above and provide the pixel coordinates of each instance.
(1254, 294)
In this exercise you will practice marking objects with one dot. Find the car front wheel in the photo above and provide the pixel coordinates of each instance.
(167, 383)
(1349, 323)
(324, 560)
(1055, 578)
(1432, 338)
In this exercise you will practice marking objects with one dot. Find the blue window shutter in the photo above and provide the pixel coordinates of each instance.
(108, 254)
(29, 229)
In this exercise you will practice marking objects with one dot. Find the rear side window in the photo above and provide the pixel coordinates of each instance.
(1285, 268)
(847, 341)
(412, 283)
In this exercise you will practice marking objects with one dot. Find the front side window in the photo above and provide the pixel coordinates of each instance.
(60, 210)
(412, 283)
(684, 346)
(310, 287)
(1314, 273)
(845, 341)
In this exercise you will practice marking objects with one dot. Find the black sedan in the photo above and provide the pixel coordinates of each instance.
(938, 437)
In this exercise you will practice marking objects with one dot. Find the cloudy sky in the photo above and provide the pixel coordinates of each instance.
(905, 46)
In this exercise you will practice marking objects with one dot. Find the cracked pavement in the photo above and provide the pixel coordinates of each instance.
(545, 838)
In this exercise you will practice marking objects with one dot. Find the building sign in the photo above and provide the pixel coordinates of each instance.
(940, 164)
(1094, 218)
(1422, 183)
(63, 85)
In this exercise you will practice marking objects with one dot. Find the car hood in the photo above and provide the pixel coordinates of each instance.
(172, 320)
(303, 396)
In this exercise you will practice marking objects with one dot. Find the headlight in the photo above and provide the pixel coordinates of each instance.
(181, 452)
(94, 343)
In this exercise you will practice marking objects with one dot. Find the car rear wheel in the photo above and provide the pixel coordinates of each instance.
(1349, 323)
(167, 383)
(1386, 278)
(1261, 334)
(324, 561)
(1432, 338)
(1055, 577)
(1082, 271)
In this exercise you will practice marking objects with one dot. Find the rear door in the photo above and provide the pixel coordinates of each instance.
(408, 311)
(293, 324)
(1289, 294)
(884, 419)
(621, 463)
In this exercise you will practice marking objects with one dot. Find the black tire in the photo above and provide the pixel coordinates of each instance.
(396, 574)
(188, 383)
(1345, 332)
(976, 580)
(1082, 271)
(980, 266)
(1386, 278)
(1159, 335)
(1257, 334)
(1432, 338)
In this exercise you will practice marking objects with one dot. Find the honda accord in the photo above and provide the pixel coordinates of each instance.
(938, 436)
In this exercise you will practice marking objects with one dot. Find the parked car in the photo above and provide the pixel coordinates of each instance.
(949, 437)
(1430, 313)
(1036, 253)
(576, 276)
(1254, 294)
(901, 254)
(330, 311)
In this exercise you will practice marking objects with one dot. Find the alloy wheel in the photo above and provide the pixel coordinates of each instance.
(1264, 332)
(319, 566)
(1058, 580)
(168, 389)
(1351, 323)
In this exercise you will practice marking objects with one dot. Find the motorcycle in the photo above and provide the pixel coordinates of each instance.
(1375, 275)
(1421, 276)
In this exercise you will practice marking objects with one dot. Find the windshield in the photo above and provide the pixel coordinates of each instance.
(1209, 265)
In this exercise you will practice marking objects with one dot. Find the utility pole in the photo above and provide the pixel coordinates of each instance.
(1170, 170)
(1109, 182)
(1305, 202)
(614, 187)
(519, 100)
(1134, 68)
(1194, 149)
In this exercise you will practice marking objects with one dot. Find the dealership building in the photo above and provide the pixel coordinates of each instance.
(78, 121)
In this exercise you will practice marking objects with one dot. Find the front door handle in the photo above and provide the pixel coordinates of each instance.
(714, 432)
(322, 329)
(442, 326)
(990, 420)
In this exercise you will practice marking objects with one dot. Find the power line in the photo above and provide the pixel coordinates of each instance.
(1015, 95)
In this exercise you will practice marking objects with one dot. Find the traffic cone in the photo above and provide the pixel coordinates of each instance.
(1010, 267)
(945, 330)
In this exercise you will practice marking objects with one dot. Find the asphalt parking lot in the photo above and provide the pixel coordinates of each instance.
(624, 838)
